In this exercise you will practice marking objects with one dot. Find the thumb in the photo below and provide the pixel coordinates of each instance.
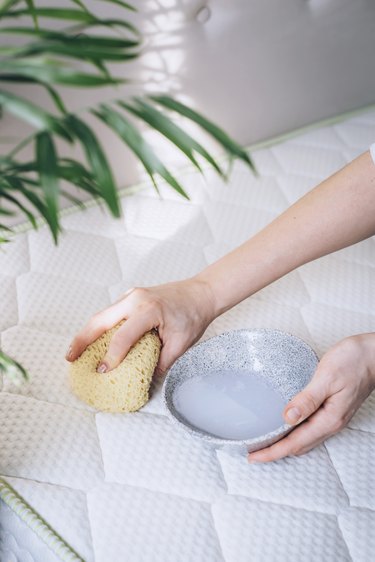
(171, 351)
(126, 336)
(305, 403)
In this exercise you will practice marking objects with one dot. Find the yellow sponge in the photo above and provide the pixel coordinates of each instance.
(125, 388)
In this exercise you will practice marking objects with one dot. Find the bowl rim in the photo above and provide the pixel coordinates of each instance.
(219, 441)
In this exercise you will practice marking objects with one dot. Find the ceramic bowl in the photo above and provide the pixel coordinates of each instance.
(284, 362)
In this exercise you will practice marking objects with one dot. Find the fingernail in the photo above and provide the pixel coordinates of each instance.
(103, 368)
(69, 353)
(293, 415)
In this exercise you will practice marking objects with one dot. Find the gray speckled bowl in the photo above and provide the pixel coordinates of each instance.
(286, 363)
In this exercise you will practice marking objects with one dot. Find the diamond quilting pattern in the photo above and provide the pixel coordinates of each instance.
(96, 221)
(306, 482)
(42, 355)
(62, 306)
(353, 456)
(159, 219)
(357, 527)
(307, 160)
(254, 531)
(261, 192)
(234, 224)
(14, 257)
(255, 313)
(79, 256)
(157, 457)
(146, 262)
(336, 282)
(364, 418)
(48, 442)
(132, 486)
(330, 324)
(8, 303)
(138, 525)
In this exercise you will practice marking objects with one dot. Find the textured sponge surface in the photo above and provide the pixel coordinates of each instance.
(125, 388)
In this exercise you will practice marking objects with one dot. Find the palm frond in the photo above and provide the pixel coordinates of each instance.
(12, 369)
(231, 147)
(47, 59)
(46, 159)
(171, 131)
(33, 114)
(98, 162)
(134, 140)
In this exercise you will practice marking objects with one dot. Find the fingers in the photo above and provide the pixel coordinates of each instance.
(308, 435)
(104, 320)
(125, 337)
(308, 401)
(97, 325)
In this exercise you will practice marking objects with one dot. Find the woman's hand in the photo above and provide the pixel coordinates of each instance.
(344, 378)
(179, 311)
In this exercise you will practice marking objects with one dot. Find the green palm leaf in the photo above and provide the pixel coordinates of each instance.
(98, 162)
(130, 135)
(12, 369)
(33, 114)
(7, 4)
(52, 74)
(76, 49)
(16, 185)
(19, 205)
(55, 96)
(216, 132)
(185, 142)
(77, 40)
(82, 17)
(31, 6)
(48, 174)
(5, 212)
(122, 4)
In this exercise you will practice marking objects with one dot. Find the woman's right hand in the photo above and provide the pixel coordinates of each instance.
(179, 311)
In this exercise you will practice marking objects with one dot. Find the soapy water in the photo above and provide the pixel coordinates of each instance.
(230, 404)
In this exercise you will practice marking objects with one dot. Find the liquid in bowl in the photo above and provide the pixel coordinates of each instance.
(230, 404)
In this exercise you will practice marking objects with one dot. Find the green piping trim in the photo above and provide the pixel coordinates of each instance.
(185, 170)
(36, 522)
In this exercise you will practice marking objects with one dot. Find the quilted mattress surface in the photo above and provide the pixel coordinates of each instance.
(130, 487)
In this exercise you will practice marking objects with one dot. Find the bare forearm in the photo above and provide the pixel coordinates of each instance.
(336, 214)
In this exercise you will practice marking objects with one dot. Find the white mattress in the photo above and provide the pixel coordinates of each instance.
(129, 487)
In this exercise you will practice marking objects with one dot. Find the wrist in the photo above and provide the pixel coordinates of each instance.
(204, 297)
(367, 342)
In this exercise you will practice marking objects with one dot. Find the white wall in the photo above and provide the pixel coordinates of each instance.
(257, 67)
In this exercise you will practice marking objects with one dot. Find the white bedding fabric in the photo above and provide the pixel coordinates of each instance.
(131, 487)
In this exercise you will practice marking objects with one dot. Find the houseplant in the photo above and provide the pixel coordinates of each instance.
(75, 51)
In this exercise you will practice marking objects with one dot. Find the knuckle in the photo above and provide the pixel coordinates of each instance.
(151, 306)
(117, 342)
(349, 344)
(310, 403)
(94, 322)
(140, 292)
(79, 340)
(295, 452)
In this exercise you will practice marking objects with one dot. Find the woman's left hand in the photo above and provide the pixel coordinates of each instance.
(344, 378)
